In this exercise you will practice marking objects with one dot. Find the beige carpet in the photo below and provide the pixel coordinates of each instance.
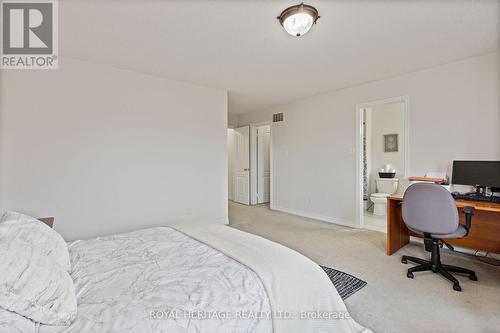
(390, 302)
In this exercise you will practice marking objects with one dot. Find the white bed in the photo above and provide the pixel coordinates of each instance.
(194, 278)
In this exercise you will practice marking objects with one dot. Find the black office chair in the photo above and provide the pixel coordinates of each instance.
(429, 210)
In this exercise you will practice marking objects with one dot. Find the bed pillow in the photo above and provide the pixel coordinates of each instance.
(38, 234)
(33, 286)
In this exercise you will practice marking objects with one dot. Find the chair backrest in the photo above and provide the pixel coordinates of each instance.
(430, 208)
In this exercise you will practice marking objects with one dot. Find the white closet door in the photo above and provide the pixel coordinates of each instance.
(264, 166)
(241, 166)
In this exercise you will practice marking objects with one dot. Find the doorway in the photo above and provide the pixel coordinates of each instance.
(382, 156)
(249, 164)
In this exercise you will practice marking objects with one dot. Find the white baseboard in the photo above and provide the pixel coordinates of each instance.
(222, 220)
(319, 217)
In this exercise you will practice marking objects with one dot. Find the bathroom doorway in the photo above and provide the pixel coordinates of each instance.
(382, 154)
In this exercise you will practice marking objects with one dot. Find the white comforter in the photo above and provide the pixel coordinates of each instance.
(161, 280)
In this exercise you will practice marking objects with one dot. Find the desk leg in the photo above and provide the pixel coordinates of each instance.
(397, 232)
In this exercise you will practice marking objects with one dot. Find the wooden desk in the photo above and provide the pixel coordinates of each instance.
(484, 233)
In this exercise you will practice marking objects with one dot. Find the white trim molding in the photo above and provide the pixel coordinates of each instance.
(221, 220)
(314, 216)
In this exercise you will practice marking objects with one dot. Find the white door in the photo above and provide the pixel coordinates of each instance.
(263, 163)
(241, 167)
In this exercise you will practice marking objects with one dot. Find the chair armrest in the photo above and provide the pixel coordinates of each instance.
(468, 211)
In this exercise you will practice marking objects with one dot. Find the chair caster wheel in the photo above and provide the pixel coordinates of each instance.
(457, 287)
(409, 275)
(473, 277)
(404, 261)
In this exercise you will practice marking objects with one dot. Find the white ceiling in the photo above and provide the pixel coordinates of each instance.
(240, 46)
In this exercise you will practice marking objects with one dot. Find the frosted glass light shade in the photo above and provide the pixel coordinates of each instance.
(297, 20)
(298, 24)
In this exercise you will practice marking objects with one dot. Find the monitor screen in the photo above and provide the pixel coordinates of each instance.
(482, 173)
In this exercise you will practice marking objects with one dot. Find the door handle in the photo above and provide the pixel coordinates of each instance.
(246, 169)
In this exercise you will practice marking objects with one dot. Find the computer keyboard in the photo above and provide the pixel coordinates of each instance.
(476, 197)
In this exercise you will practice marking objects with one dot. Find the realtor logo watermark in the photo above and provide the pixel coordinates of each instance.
(29, 34)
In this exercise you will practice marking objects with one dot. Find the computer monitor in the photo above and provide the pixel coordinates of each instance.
(476, 173)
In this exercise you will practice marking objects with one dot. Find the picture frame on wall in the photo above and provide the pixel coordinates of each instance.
(390, 143)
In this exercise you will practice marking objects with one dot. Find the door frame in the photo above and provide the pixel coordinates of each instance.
(359, 147)
(253, 162)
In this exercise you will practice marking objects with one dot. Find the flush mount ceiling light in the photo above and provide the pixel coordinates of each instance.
(298, 19)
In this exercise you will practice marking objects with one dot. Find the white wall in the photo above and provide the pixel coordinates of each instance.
(314, 148)
(232, 120)
(107, 150)
(385, 119)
